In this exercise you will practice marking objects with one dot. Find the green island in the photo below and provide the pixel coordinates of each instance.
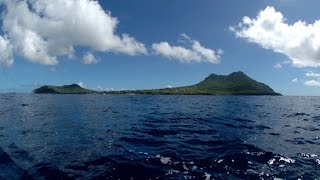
(236, 83)
(66, 89)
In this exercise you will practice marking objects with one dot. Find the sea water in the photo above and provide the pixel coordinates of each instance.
(159, 137)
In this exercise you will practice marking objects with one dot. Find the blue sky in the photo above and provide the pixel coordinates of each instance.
(142, 62)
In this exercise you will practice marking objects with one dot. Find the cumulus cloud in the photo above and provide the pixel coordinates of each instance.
(299, 41)
(312, 74)
(312, 83)
(42, 31)
(195, 53)
(81, 84)
(278, 66)
(6, 58)
(109, 89)
(295, 80)
(99, 88)
(89, 58)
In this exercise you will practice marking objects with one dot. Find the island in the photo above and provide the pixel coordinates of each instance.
(67, 89)
(236, 83)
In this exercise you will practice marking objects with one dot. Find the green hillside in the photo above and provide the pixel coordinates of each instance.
(237, 83)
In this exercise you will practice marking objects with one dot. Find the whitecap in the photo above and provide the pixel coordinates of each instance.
(287, 160)
(308, 155)
(165, 160)
(194, 168)
(271, 161)
(207, 176)
(172, 171)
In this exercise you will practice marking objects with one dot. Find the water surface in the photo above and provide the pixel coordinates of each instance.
(158, 137)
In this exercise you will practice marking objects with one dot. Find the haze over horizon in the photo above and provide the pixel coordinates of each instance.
(105, 45)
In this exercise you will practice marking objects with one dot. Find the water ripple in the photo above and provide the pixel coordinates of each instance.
(159, 137)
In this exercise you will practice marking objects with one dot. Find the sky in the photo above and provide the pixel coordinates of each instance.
(144, 44)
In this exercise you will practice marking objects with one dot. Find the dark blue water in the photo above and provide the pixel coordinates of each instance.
(159, 137)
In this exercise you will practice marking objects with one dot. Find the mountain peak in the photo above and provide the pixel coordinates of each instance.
(72, 86)
(66, 89)
(240, 76)
(237, 73)
(236, 83)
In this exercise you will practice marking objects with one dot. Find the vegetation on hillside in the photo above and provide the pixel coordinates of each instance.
(67, 89)
(237, 83)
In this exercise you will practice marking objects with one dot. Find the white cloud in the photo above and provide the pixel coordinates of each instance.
(312, 74)
(99, 88)
(185, 36)
(169, 86)
(42, 31)
(89, 58)
(312, 83)
(298, 41)
(295, 80)
(109, 89)
(81, 84)
(196, 53)
(278, 66)
(6, 58)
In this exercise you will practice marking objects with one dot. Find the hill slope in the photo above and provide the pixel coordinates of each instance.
(67, 89)
(237, 83)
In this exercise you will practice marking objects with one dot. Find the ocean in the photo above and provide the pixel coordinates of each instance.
(159, 137)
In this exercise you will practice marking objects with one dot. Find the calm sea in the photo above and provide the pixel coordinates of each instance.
(159, 137)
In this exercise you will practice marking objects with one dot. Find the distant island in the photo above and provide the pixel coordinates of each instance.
(237, 83)
(67, 89)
